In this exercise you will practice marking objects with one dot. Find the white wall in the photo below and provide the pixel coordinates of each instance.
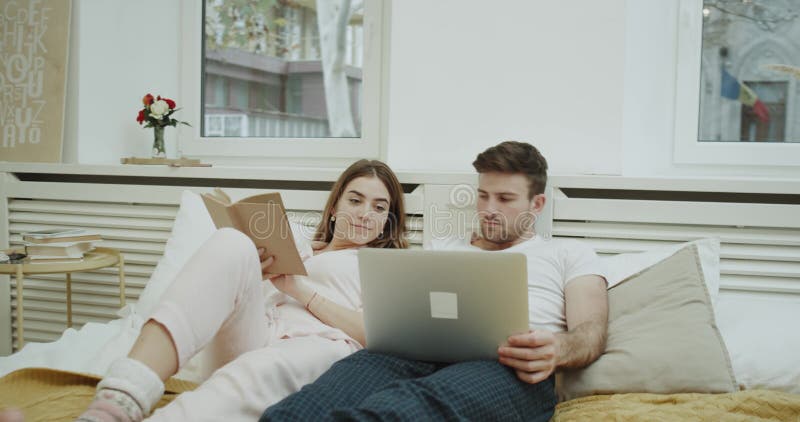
(467, 74)
(120, 51)
(503, 70)
(649, 99)
(591, 83)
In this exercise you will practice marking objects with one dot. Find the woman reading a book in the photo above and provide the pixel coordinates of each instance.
(264, 342)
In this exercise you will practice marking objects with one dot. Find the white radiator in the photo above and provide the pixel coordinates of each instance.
(760, 241)
(139, 231)
(135, 219)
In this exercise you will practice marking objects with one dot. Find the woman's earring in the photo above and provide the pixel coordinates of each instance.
(333, 218)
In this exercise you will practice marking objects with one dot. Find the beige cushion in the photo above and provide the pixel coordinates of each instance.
(662, 337)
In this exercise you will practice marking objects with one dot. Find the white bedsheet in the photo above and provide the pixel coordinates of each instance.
(762, 340)
(91, 349)
(762, 349)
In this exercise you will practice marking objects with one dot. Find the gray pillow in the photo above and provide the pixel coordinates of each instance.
(662, 337)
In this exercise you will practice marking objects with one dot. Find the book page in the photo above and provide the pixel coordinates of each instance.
(218, 212)
(263, 219)
(268, 226)
(266, 198)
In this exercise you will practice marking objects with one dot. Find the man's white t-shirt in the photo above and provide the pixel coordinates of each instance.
(552, 264)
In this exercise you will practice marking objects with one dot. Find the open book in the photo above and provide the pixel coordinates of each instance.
(263, 219)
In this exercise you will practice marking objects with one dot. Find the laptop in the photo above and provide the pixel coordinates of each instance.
(442, 306)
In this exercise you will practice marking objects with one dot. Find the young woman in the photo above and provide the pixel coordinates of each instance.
(265, 345)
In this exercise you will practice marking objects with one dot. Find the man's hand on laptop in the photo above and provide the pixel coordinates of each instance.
(532, 355)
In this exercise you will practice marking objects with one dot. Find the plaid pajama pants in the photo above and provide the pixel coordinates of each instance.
(370, 386)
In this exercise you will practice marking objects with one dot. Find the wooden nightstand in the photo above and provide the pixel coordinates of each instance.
(93, 260)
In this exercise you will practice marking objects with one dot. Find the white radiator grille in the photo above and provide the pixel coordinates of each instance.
(760, 243)
(139, 230)
(753, 257)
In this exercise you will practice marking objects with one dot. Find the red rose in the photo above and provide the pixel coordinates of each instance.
(140, 117)
(148, 99)
(170, 103)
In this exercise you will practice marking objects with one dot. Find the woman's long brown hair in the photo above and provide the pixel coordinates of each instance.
(394, 231)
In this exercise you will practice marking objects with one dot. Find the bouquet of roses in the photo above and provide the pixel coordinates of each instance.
(157, 112)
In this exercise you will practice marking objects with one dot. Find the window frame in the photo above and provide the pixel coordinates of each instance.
(687, 148)
(373, 101)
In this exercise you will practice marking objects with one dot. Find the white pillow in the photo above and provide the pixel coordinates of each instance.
(95, 346)
(762, 341)
(751, 324)
(621, 266)
(192, 227)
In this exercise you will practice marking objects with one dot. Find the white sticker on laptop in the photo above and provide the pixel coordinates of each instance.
(444, 305)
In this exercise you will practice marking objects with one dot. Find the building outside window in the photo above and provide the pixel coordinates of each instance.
(269, 79)
(750, 71)
(265, 58)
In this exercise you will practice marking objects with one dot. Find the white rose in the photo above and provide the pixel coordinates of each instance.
(158, 109)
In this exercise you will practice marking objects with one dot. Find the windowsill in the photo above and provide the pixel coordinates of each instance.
(330, 174)
(295, 173)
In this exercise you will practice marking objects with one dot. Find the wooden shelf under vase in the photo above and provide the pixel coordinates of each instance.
(172, 162)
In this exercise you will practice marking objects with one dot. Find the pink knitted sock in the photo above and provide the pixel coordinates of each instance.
(112, 406)
(126, 394)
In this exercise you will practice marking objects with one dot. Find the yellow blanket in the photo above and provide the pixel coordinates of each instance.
(51, 395)
(752, 405)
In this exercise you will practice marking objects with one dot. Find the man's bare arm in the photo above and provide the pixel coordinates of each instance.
(535, 355)
(584, 341)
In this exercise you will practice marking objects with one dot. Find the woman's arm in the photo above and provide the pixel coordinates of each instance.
(327, 311)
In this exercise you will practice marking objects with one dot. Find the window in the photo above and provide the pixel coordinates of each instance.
(737, 82)
(260, 80)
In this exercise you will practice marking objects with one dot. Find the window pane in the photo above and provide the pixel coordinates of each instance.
(750, 71)
(267, 72)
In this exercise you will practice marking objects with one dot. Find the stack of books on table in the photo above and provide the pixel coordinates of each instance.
(59, 244)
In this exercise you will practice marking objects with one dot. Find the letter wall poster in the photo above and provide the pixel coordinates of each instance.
(34, 43)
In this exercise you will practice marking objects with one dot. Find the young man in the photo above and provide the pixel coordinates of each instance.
(568, 319)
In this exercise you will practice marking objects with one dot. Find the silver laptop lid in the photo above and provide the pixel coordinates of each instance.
(442, 306)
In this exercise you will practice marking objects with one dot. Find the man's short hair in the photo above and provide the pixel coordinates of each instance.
(515, 158)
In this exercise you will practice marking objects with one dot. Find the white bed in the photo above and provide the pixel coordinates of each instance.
(760, 271)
